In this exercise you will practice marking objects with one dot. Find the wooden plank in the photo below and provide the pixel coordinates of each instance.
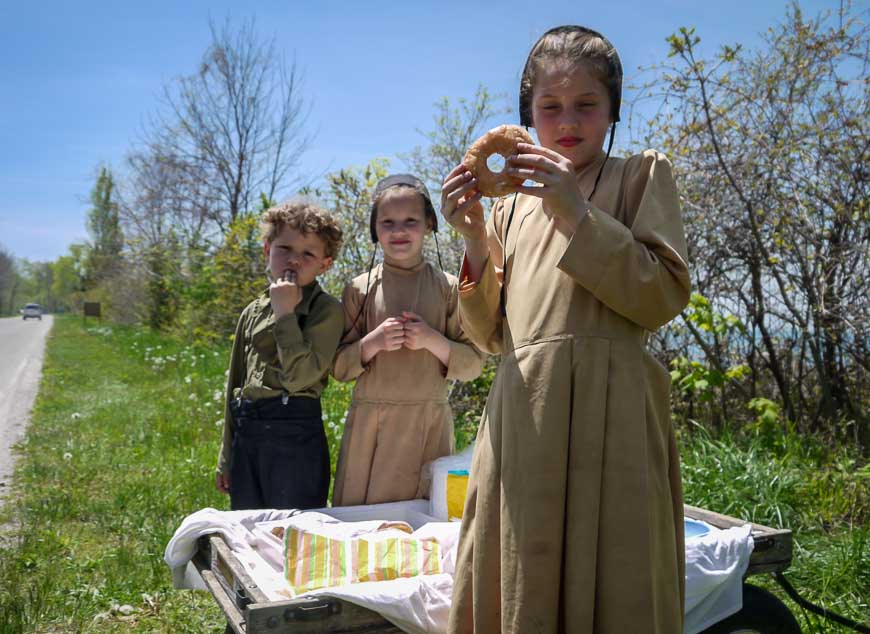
(234, 572)
(316, 615)
(234, 617)
(773, 546)
(724, 521)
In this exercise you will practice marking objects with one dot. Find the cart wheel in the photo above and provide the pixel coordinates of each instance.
(762, 613)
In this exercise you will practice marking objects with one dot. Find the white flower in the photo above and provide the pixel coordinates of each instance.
(192, 397)
(218, 395)
(67, 456)
(187, 379)
(76, 416)
(219, 422)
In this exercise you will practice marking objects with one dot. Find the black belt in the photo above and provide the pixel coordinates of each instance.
(271, 415)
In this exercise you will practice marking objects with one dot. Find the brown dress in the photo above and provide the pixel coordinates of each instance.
(573, 521)
(399, 417)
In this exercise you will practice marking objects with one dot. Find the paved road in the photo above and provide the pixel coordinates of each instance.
(21, 346)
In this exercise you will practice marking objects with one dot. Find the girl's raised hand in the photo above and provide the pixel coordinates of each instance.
(460, 204)
(557, 182)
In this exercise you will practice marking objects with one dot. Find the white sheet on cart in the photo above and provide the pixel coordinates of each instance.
(715, 564)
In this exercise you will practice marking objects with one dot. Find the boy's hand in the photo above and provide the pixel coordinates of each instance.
(460, 204)
(222, 482)
(388, 336)
(285, 294)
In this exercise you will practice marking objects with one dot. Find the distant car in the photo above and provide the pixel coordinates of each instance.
(32, 310)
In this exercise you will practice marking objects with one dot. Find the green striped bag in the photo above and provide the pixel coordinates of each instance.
(317, 561)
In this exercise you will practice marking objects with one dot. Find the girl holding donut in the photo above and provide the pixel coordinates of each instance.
(402, 345)
(574, 515)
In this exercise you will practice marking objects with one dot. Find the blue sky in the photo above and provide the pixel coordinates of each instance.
(79, 79)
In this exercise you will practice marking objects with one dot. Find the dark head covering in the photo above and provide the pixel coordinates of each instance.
(402, 180)
(614, 73)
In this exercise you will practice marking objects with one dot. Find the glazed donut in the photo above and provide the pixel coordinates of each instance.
(501, 140)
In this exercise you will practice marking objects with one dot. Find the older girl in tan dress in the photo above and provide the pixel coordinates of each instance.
(573, 521)
(403, 345)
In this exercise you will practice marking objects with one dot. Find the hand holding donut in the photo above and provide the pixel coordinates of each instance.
(460, 204)
(502, 140)
(558, 185)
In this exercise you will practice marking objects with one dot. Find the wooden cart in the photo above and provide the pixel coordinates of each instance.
(248, 611)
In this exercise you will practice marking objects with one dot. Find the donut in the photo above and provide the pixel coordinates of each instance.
(501, 140)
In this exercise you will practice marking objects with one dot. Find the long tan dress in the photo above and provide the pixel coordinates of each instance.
(399, 417)
(573, 521)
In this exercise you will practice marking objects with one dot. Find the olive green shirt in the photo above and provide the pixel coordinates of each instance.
(291, 355)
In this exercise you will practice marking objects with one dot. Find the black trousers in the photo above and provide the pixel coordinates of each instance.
(279, 457)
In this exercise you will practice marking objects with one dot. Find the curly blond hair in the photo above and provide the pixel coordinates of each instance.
(306, 217)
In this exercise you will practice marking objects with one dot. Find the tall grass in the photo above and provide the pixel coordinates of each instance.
(782, 479)
(124, 438)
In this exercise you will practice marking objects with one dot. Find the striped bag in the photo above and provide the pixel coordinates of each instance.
(313, 559)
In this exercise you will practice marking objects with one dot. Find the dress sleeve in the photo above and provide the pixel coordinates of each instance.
(638, 269)
(348, 359)
(479, 302)
(305, 354)
(466, 361)
(235, 379)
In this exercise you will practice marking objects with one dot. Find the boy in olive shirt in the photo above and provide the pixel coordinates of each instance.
(274, 452)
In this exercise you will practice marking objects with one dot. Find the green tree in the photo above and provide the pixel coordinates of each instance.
(770, 148)
(9, 281)
(66, 281)
(456, 126)
(107, 239)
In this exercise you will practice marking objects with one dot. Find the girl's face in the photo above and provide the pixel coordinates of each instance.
(570, 111)
(401, 226)
(303, 254)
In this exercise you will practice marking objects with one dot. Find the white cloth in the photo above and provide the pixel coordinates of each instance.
(715, 563)
(256, 551)
(419, 605)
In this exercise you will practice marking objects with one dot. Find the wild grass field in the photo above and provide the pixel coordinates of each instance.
(122, 445)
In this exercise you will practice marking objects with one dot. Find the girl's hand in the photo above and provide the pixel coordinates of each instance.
(460, 204)
(420, 336)
(388, 336)
(558, 185)
(285, 295)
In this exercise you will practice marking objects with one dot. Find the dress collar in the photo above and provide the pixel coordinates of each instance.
(398, 270)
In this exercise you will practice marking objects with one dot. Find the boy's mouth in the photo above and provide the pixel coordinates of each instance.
(568, 141)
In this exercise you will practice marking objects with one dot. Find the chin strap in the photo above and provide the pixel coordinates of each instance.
(607, 156)
(366, 298)
(438, 250)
